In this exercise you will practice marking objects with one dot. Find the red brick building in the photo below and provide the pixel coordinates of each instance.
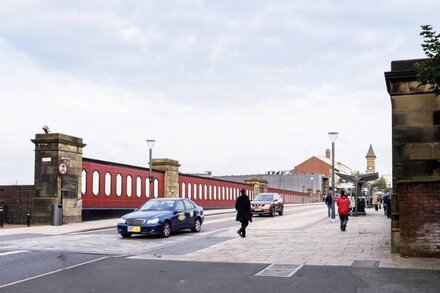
(322, 165)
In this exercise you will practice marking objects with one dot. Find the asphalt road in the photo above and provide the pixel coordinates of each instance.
(98, 261)
(127, 275)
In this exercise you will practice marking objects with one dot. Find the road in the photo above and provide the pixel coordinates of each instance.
(102, 261)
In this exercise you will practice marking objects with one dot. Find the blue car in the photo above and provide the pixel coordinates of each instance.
(161, 216)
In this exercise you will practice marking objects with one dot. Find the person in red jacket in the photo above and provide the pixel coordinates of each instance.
(343, 203)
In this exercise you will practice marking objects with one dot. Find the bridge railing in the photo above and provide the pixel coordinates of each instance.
(295, 197)
(112, 185)
(210, 192)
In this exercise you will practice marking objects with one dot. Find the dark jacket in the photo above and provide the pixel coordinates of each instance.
(243, 207)
(328, 200)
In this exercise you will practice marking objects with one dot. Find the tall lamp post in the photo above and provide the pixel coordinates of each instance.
(333, 136)
(150, 143)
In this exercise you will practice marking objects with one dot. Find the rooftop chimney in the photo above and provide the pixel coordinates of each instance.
(327, 153)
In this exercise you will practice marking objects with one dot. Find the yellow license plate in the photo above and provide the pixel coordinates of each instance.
(134, 229)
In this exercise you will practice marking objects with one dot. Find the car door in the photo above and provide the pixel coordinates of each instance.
(179, 217)
(190, 214)
(278, 203)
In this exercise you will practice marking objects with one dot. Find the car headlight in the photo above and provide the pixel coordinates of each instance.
(153, 221)
(122, 221)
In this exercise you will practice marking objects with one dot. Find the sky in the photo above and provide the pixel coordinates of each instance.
(231, 87)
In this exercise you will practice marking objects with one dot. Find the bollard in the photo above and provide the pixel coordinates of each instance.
(28, 218)
(2, 209)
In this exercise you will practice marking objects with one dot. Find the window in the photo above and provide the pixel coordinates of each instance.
(138, 186)
(195, 191)
(95, 181)
(147, 188)
(84, 181)
(183, 189)
(118, 185)
(189, 190)
(180, 206)
(129, 185)
(188, 205)
(156, 188)
(108, 183)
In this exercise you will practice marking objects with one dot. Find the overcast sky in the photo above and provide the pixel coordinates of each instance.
(233, 87)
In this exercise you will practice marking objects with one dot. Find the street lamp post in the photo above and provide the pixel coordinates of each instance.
(333, 136)
(150, 143)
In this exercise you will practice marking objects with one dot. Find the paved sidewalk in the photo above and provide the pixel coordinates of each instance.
(286, 240)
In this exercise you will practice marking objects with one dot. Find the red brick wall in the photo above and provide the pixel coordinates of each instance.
(313, 165)
(18, 201)
(419, 206)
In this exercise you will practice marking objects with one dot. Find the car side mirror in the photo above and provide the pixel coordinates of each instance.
(136, 209)
(178, 211)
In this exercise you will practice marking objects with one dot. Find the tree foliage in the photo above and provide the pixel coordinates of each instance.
(428, 71)
(382, 183)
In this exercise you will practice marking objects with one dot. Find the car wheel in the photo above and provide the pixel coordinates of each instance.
(166, 229)
(197, 226)
(272, 212)
(126, 235)
(281, 212)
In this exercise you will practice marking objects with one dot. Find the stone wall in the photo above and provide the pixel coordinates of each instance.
(18, 201)
(419, 203)
(415, 199)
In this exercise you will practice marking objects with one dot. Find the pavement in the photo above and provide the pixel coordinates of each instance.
(295, 239)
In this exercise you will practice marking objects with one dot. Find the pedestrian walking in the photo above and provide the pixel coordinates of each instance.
(244, 215)
(375, 201)
(343, 203)
(387, 205)
(328, 202)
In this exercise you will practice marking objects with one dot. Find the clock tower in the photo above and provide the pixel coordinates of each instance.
(371, 160)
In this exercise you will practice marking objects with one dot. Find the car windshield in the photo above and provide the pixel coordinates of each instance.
(158, 205)
(264, 197)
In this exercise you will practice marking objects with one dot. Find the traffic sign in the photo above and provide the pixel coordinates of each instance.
(62, 168)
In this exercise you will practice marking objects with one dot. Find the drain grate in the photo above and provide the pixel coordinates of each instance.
(365, 264)
(279, 270)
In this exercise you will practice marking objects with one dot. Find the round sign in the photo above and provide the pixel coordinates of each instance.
(62, 168)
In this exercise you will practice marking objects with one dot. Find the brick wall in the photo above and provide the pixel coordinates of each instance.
(419, 204)
(18, 200)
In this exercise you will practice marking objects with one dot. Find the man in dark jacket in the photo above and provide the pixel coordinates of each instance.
(244, 215)
(328, 203)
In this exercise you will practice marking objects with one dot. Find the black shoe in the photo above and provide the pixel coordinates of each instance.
(243, 236)
(239, 233)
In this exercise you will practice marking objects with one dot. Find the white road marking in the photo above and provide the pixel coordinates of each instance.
(51, 273)
(13, 252)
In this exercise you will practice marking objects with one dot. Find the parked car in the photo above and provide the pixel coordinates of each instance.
(267, 204)
(161, 216)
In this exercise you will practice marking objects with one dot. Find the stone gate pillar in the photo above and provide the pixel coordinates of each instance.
(50, 150)
(171, 168)
(260, 185)
(416, 162)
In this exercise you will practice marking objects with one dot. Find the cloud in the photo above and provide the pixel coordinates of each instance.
(227, 86)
